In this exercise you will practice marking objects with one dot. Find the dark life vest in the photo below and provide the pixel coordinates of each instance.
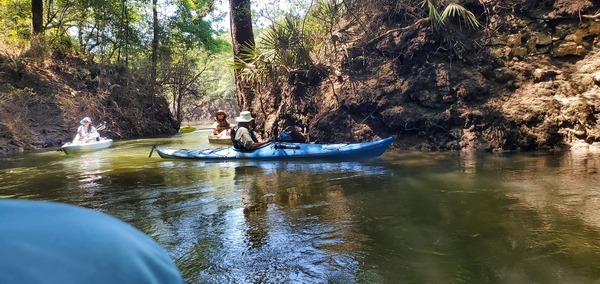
(237, 144)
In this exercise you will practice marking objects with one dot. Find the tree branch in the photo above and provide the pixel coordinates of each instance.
(594, 17)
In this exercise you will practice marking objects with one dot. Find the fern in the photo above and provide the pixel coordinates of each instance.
(11, 64)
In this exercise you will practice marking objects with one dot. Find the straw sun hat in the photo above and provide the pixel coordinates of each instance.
(221, 112)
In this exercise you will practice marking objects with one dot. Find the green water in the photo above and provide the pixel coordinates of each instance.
(403, 218)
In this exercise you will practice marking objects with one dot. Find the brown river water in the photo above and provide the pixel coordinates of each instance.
(406, 217)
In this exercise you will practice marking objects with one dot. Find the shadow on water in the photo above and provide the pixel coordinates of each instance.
(405, 217)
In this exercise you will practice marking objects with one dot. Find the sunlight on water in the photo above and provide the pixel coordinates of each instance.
(406, 217)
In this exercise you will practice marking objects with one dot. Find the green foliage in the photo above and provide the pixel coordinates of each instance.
(217, 80)
(451, 9)
(268, 12)
(189, 27)
(118, 34)
(327, 13)
(15, 21)
(467, 16)
(254, 65)
(194, 76)
(11, 64)
(288, 45)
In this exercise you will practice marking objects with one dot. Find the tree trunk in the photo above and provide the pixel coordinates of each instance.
(241, 34)
(179, 103)
(126, 29)
(154, 46)
(37, 15)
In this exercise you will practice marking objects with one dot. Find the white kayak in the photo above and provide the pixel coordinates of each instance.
(71, 148)
(219, 139)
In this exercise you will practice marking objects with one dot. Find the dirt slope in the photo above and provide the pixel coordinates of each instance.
(528, 79)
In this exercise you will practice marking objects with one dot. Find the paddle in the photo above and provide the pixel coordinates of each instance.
(151, 151)
(100, 126)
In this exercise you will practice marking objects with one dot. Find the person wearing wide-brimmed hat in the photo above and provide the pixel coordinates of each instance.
(86, 132)
(221, 126)
(243, 136)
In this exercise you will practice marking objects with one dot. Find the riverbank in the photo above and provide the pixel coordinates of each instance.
(527, 79)
(41, 106)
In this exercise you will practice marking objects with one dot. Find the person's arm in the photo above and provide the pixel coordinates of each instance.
(256, 145)
(215, 128)
(77, 136)
(91, 136)
(255, 139)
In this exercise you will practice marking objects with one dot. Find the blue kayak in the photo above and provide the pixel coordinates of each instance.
(285, 150)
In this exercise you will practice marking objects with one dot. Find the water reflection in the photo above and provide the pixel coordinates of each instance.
(468, 162)
(407, 217)
(568, 185)
(273, 236)
(254, 202)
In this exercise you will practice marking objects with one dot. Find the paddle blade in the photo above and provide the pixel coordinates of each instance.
(101, 126)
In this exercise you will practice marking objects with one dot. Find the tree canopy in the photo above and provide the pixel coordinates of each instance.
(174, 40)
(130, 35)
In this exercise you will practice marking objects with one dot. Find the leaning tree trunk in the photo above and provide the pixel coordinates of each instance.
(241, 34)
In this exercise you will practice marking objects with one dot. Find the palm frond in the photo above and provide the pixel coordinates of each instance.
(432, 13)
(291, 49)
(253, 65)
(454, 9)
